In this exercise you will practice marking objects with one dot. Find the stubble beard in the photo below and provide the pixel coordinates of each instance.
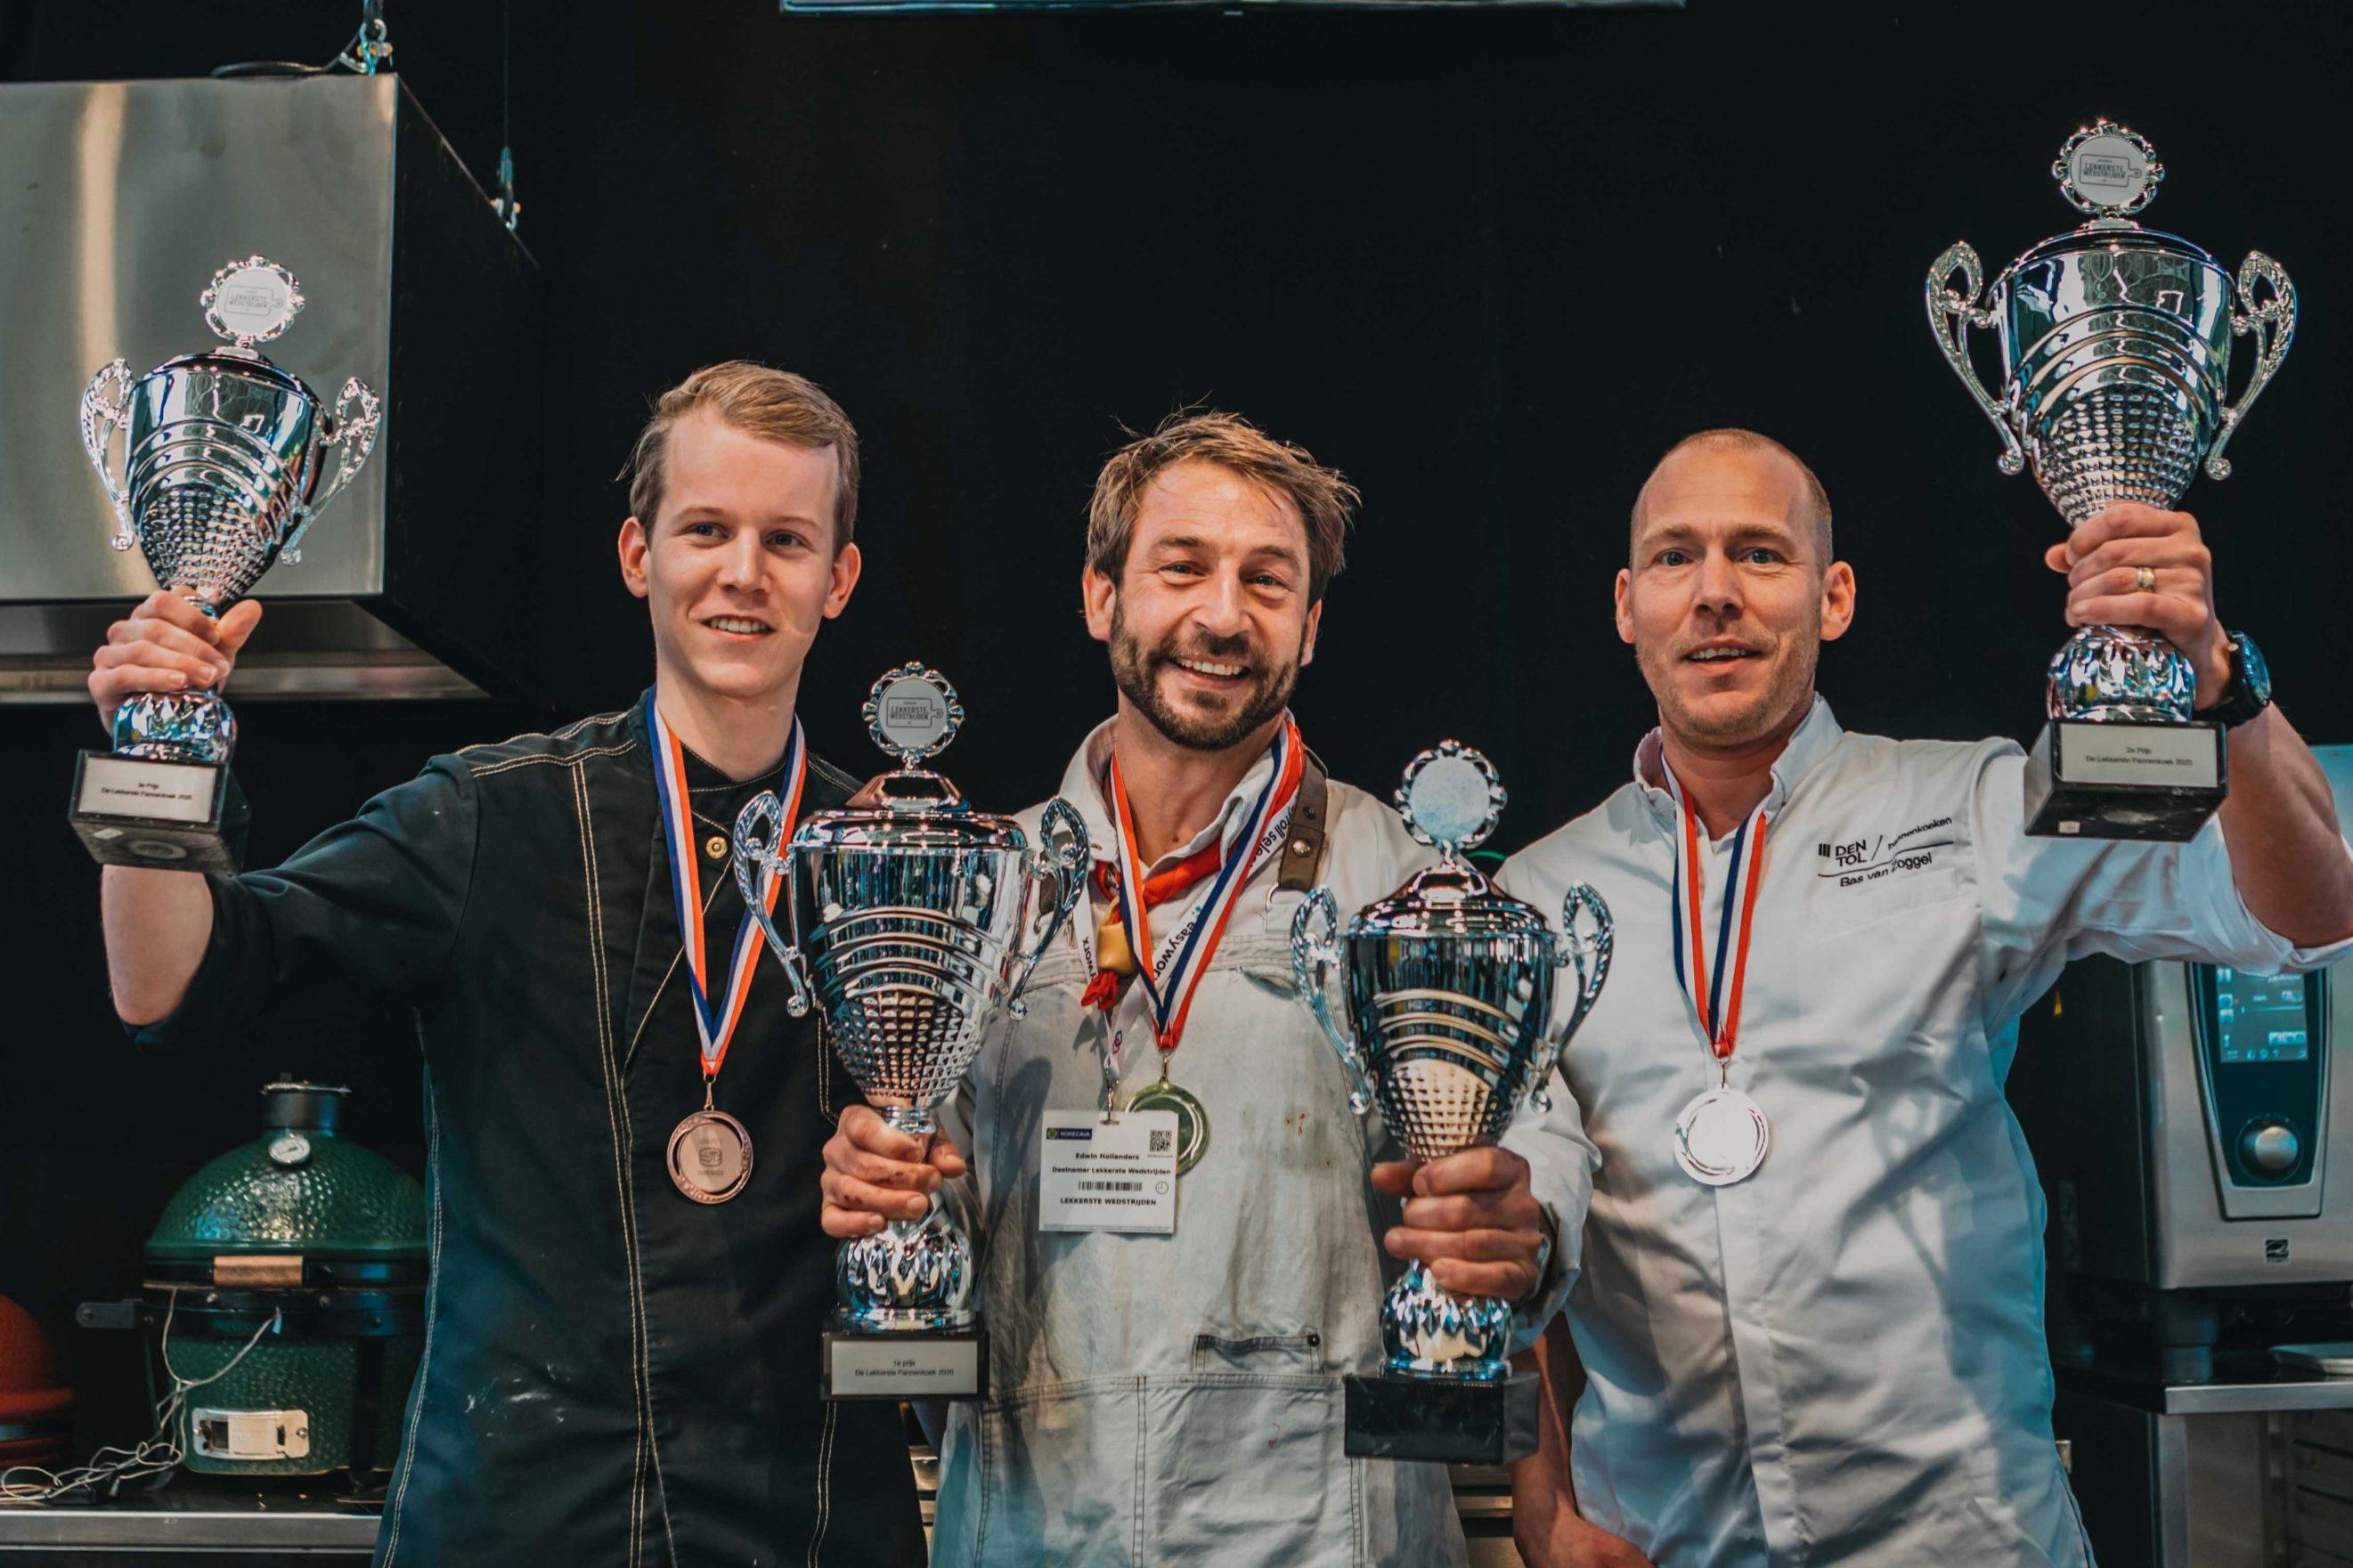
(1721, 727)
(1136, 674)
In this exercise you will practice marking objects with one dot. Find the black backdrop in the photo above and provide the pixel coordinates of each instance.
(1489, 264)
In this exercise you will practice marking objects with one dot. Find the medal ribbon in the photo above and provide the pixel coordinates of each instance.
(715, 1022)
(1717, 1009)
(1170, 983)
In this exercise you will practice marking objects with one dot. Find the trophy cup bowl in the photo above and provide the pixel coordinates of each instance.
(222, 470)
(914, 921)
(1448, 990)
(2115, 349)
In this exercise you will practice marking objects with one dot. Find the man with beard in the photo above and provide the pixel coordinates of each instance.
(1810, 1308)
(1175, 1398)
(623, 1311)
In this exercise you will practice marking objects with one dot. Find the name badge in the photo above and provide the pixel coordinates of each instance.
(1117, 1175)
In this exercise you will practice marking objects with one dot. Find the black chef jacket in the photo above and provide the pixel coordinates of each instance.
(612, 1372)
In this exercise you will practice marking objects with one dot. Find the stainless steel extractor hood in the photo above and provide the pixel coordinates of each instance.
(122, 197)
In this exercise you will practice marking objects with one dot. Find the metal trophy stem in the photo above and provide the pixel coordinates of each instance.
(907, 914)
(2116, 344)
(1447, 986)
(221, 471)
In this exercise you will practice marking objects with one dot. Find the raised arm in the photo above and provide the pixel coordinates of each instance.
(2287, 854)
(157, 923)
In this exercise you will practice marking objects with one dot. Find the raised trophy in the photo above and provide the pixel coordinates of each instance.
(2115, 350)
(908, 913)
(1448, 988)
(223, 454)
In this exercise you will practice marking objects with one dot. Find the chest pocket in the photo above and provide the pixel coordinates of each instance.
(1861, 884)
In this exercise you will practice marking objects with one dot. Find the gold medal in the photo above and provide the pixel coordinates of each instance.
(1192, 1116)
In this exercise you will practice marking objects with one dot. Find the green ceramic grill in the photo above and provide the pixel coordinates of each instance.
(305, 1230)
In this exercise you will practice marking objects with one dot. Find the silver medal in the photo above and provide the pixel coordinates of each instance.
(1722, 1137)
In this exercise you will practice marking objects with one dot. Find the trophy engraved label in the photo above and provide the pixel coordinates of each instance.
(223, 454)
(2115, 349)
(908, 913)
(1448, 990)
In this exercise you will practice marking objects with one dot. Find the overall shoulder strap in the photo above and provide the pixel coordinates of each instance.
(1310, 817)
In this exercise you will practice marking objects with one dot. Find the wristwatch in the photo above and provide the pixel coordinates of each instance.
(2250, 690)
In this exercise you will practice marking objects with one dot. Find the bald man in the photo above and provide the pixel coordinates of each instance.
(1810, 1313)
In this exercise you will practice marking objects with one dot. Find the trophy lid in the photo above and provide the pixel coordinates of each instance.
(913, 713)
(2110, 171)
(1452, 798)
(2107, 169)
(250, 301)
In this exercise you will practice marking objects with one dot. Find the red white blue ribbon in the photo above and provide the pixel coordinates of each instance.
(715, 1017)
(1714, 997)
(1169, 982)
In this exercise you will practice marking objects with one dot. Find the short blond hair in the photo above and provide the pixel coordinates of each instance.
(1325, 500)
(759, 400)
(1732, 438)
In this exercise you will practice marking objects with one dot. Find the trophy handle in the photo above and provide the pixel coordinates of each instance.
(1951, 313)
(1314, 953)
(345, 431)
(1588, 954)
(759, 843)
(1061, 856)
(2273, 322)
(106, 408)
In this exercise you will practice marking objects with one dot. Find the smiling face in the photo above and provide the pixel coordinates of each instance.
(738, 568)
(1210, 620)
(1728, 601)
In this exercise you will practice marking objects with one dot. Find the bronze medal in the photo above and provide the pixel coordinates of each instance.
(711, 1156)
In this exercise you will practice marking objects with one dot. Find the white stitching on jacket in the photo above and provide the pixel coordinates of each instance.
(824, 1486)
(572, 759)
(617, 1121)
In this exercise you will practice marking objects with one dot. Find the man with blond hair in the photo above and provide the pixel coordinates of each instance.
(1175, 1397)
(1811, 1312)
(624, 1312)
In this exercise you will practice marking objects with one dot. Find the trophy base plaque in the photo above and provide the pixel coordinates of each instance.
(2107, 779)
(166, 816)
(935, 1363)
(1449, 1419)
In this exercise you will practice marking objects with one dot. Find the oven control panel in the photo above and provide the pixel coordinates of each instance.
(2263, 1050)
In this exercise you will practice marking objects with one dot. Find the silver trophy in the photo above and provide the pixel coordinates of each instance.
(908, 911)
(2115, 350)
(1448, 989)
(223, 459)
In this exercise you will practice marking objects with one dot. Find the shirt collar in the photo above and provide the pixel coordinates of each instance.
(1807, 744)
(1090, 770)
(704, 780)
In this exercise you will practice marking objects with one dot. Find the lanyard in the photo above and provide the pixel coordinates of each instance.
(714, 1020)
(1716, 1008)
(1170, 981)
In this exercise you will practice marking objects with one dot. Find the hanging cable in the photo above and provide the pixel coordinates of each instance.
(158, 1454)
(369, 51)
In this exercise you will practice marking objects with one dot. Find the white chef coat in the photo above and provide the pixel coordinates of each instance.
(1842, 1360)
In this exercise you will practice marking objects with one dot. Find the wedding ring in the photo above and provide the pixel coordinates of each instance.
(2143, 580)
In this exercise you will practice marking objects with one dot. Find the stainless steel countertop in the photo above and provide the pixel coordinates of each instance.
(195, 1515)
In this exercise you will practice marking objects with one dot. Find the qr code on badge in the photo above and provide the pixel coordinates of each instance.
(1164, 1142)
